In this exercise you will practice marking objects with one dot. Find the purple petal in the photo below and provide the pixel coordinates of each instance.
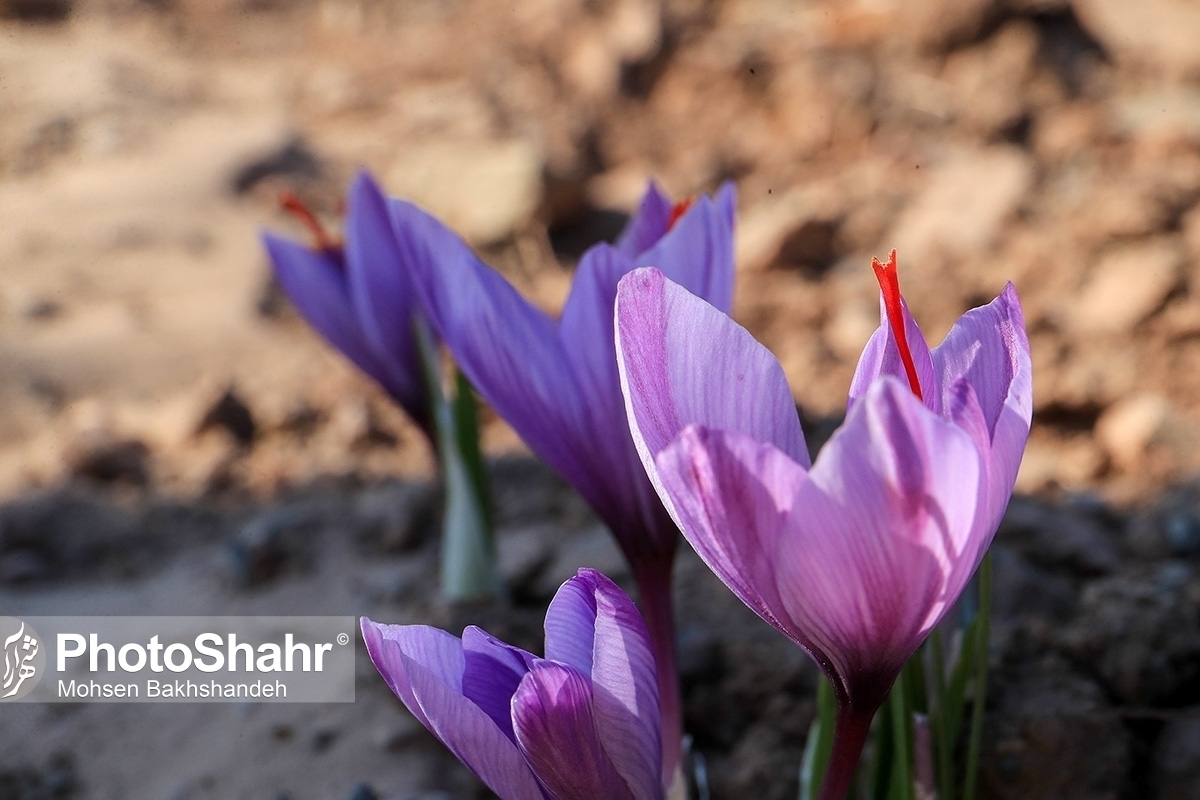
(625, 688)
(648, 223)
(881, 356)
(508, 349)
(882, 539)
(989, 348)
(556, 730)
(491, 674)
(382, 292)
(586, 317)
(571, 623)
(608, 473)
(697, 253)
(423, 666)
(684, 362)
(440, 652)
(316, 284)
(731, 494)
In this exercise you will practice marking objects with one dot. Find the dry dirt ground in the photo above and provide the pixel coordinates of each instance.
(173, 439)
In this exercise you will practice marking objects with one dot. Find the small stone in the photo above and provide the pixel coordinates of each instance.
(23, 566)
(1156, 33)
(363, 792)
(988, 80)
(1047, 738)
(1183, 533)
(397, 517)
(937, 25)
(293, 159)
(1171, 112)
(1177, 759)
(962, 209)
(114, 461)
(1128, 285)
(812, 247)
(231, 414)
(1128, 428)
(1020, 590)
(1060, 537)
(699, 654)
(35, 10)
(522, 555)
(323, 739)
(1137, 631)
(594, 547)
(270, 544)
(482, 190)
(395, 737)
(765, 228)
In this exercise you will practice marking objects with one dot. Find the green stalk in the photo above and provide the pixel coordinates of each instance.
(819, 745)
(468, 569)
(901, 740)
(983, 635)
(938, 718)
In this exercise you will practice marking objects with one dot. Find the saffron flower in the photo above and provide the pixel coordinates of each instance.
(856, 557)
(556, 382)
(358, 295)
(579, 724)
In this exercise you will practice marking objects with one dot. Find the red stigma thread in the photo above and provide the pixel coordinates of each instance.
(678, 210)
(889, 283)
(292, 204)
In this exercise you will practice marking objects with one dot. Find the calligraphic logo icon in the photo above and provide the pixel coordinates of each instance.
(22, 658)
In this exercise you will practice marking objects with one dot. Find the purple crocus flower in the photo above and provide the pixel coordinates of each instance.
(581, 723)
(556, 383)
(358, 296)
(856, 557)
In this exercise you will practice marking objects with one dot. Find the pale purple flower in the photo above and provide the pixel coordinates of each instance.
(581, 723)
(359, 296)
(556, 382)
(856, 557)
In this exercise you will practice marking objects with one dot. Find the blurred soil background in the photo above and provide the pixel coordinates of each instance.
(173, 439)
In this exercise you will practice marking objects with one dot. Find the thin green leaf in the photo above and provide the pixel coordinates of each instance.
(819, 746)
(979, 698)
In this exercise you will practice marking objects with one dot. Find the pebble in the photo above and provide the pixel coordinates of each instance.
(230, 413)
(1126, 286)
(363, 792)
(936, 25)
(523, 554)
(594, 547)
(483, 190)
(1130, 426)
(1176, 767)
(1045, 740)
(952, 217)
(270, 544)
(1138, 632)
(1156, 33)
(1060, 537)
(397, 517)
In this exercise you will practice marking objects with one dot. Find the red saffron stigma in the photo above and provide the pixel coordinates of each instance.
(678, 210)
(292, 204)
(889, 283)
